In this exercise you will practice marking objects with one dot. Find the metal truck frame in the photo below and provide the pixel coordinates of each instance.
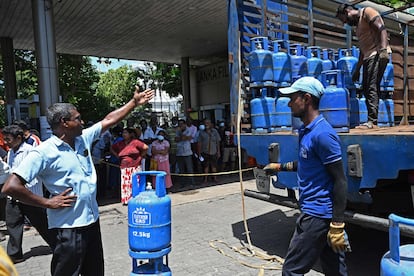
(379, 163)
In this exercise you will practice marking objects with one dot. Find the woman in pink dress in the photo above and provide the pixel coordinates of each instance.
(160, 149)
(130, 152)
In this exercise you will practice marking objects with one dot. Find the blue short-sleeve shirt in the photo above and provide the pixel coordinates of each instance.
(60, 167)
(319, 145)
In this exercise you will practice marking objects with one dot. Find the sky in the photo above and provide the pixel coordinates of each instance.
(115, 63)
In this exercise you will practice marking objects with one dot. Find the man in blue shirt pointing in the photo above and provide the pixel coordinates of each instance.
(64, 164)
(322, 186)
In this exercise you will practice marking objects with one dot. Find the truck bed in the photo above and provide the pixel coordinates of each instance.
(395, 130)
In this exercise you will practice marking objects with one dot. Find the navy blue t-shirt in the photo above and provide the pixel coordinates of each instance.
(319, 145)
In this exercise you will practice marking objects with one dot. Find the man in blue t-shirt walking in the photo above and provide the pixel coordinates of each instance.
(322, 186)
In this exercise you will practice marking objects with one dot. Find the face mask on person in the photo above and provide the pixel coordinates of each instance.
(160, 137)
(202, 127)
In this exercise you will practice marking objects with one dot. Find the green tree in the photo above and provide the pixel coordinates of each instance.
(77, 83)
(26, 73)
(163, 76)
(117, 85)
(169, 76)
(26, 80)
(394, 3)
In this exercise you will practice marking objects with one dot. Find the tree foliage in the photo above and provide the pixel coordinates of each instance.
(170, 78)
(117, 85)
(77, 83)
(393, 3)
(163, 76)
(26, 73)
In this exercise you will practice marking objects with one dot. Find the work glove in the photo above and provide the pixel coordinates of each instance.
(355, 76)
(272, 168)
(338, 239)
(383, 55)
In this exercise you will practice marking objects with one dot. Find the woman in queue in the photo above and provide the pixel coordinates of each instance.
(160, 149)
(130, 152)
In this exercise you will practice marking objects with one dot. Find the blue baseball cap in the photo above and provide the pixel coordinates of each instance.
(305, 84)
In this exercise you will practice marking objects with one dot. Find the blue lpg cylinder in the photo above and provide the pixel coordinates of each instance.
(400, 259)
(334, 104)
(354, 108)
(298, 61)
(314, 62)
(328, 62)
(263, 111)
(386, 113)
(387, 81)
(355, 53)
(347, 64)
(149, 214)
(282, 67)
(283, 114)
(260, 60)
(363, 110)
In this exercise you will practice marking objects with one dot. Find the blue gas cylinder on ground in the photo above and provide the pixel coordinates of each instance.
(298, 61)
(354, 108)
(334, 104)
(262, 112)
(347, 64)
(314, 62)
(149, 224)
(400, 259)
(282, 67)
(363, 110)
(387, 80)
(385, 113)
(328, 60)
(260, 60)
(283, 114)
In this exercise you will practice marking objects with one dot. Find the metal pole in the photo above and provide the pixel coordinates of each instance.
(404, 120)
(264, 16)
(6, 44)
(185, 79)
(44, 34)
(311, 37)
(348, 36)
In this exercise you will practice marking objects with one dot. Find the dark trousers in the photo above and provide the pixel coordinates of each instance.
(15, 212)
(78, 251)
(185, 165)
(373, 70)
(308, 244)
(101, 179)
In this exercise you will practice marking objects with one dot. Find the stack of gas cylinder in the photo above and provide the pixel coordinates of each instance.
(276, 64)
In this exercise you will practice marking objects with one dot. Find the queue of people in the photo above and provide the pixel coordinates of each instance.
(183, 147)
